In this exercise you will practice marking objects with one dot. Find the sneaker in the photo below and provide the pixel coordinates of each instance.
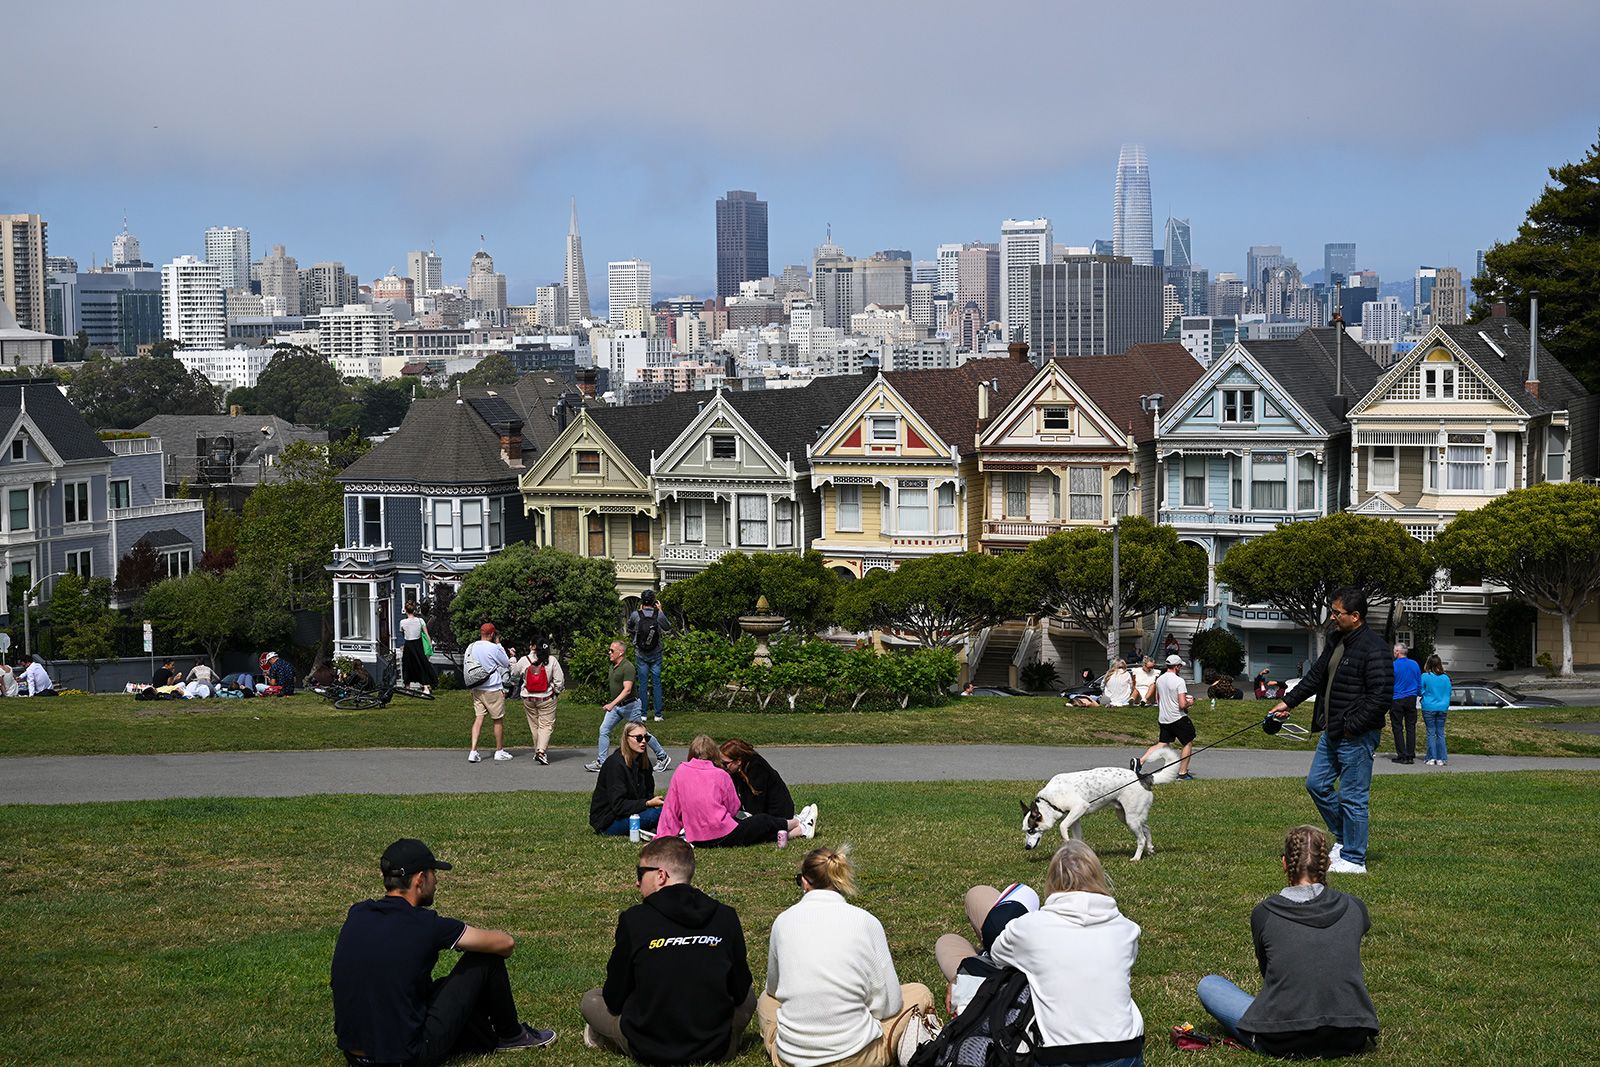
(590, 1039)
(663, 763)
(502, 754)
(593, 766)
(542, 758)
(473, 757)
(808, 821)
(647, 835)
(528, 1038)
(1344, 866)
(659, 719)
(1335, 852)
(1185, 777)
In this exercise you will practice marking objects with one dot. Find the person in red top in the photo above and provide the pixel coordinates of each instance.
(703, 804)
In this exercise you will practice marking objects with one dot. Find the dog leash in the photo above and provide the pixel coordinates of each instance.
(1271, 726)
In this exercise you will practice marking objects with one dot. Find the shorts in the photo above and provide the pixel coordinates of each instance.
(492, 701)
(1181, 731)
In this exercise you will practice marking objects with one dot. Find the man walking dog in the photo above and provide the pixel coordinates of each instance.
(1173, 701)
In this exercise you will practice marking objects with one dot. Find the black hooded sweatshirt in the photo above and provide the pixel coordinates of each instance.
(619, 791)
(1313, 999)
(765, 792)
(675, 976)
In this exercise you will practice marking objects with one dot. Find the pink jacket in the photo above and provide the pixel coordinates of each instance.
(700, 798)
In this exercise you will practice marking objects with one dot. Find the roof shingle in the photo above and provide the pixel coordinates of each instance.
(1115, 383)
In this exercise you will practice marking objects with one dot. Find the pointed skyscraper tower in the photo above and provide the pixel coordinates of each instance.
(577, 278)
(1132, 228)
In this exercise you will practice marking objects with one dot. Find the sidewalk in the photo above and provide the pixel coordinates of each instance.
(409, 772)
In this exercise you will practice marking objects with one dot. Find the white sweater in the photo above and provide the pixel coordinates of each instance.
(1078, 952)
(829, 969)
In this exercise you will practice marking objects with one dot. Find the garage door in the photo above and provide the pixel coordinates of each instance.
(1463, 645)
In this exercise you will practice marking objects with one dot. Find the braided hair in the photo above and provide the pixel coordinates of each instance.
(1305, 855)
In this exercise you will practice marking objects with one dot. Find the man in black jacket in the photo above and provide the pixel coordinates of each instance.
(1353, 684)
(678, 987)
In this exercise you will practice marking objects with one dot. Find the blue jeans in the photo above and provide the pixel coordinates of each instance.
(1434, 721)
(647, 821)
(649, 672)
(1225, 1001)
(632, 711)
(1347, 761)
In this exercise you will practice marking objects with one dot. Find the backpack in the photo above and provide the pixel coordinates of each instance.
(473, 673)
(647, 638)
(990, 1032)
(536, 680)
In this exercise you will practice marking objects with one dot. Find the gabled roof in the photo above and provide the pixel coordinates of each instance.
(948, 399)
(1499, 346)
(1304, 367)
(533, 399)
(444, 441)
(642, 430)
(790, 419)
(252, 444)
(54, 416)
(1115, 383)
(167, 538)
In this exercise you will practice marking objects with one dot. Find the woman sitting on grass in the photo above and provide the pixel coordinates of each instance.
(761, 789)
(702, 802)
(626, 786)
(1116, 689)
(1313, 1000)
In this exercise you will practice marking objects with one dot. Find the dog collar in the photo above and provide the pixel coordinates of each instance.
(1046, 803)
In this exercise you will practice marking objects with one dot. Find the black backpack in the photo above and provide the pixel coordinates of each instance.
(647, 637)
(991, 1029)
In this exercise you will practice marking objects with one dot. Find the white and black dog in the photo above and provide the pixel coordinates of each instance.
(1067, 798)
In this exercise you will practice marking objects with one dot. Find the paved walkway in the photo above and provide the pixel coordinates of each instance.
(390, 771)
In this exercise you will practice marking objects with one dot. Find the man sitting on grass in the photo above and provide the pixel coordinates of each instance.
(387, 1009)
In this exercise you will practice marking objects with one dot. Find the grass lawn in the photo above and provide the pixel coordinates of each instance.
(112, 724)
(201, 931)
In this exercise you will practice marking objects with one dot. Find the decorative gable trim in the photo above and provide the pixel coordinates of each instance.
(551, 473)
(1435, 339)
(878, 398)
(1201, 395)
(24, 424)
(719, 410)
(1052, 386)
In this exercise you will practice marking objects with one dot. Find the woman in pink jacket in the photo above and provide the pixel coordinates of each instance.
(702, 803)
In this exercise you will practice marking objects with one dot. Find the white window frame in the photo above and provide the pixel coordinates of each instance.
(1465, 457)
(694, 522)
(435, 527)
(411, 593)
(361, 521)
(875, 423)
(75, 511)
(1236, 482)
(1245, 405)
(497, 522)
(1080, 499)
(473, 529)
(753, 528)
(177, 562)
(1045, 417)
(111, 493)
(1189, 480)
(1011, 510)
(577, 463)
(711, 447)
(847, 509)
(355, 606)
(946, 507)
(1438, 381)
(1259, 462)
(1303, 480)
(783, 523)
(1375, 482)
(1554, 455)
(80, 562)
(918, 514)
(1500, 464)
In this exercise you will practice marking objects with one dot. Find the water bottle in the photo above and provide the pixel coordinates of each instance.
(633, 828)
(783, 839)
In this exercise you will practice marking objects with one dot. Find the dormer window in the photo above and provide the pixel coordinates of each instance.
(588, 461)
(882, 429)
(1055, 419)
(1439, 382)
(1238, 405)
(19, 450)
(724, 446)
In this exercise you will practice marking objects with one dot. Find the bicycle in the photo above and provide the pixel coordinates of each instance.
(362, 698)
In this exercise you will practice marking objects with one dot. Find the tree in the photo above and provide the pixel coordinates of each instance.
(77, 348)
(344, 451)
(137, 571)
(1298, 567)
(85, 624)
(384, 403)
(530, 592)
(126, 392)
(495, 369)
(1542, 543)
(201, 608)
(222, 537)
(1556, 252)
(300, 386)
(1070, 574)
(939, 600)
(799, 588)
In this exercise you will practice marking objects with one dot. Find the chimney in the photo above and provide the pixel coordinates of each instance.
(586, 378)
(1018, 351)
(1498, 309)
(1532, 384)
(983, 400)
(233, 411)
(511, 443)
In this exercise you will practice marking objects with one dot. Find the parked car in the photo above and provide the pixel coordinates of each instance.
(1480, 696)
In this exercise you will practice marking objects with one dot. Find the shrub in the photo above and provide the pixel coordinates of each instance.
(1039, 676)
(1511, 633)
(1218, 649)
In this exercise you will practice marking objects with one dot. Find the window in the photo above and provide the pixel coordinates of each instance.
(884, 525)
(641, 534)
(1504, 446)
(81, 563)
(497, 524)
(1056, 420)
(176, 562)
(947, 508)
(1439, 383)
(883, 428)
(355, 611)
(694, 521)
(848, 517)
(1194, 482)
(19, 513)
(76, 501)
(724, 446)
(412, 594)
(444, 536)
(1269, 481)
(371, 532)
(1238, 405)
(22, 571)
(1555, 450)
(19, 449)
(752, 520)
(1383, 469)
(913, 511)
(1016, 496)
(1306, 483)
(783, 524)
(597, 536)
(122, 493)
(472, 526)
(1463, 466)
(1056, 478)
(1083, 493)
(1235, 482)
(588, 461)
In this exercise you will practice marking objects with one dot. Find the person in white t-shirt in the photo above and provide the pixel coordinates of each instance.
(1144, 682)
(1173, 701)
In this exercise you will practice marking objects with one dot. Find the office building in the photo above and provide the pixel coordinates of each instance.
(741, 240)
(1351, 300)
(426, 271)
(192, 309)
(392, 288)
(949, 260)
(326, 285)
(627, 286)
(1449, 298)
(1177, 250)
(1422, 289)
(921, 305)
(138, 319)
(1383, 320)
(1259, 261)
(1481, 266)
(1226, 296)
(125, 249)
(1132, 233)
(550, 305)
(1205, 336)
(22, 270)
(485, 286)
(840, 290)
(978, 279)
(1094, 306)
(926, 270)
(885, 281)
(1023, 244)
(577, 277)
(280, 283)
(54, 265)
(89, 303)
(357, 338)
(228, 248)
(1338, 262)
(239, 367)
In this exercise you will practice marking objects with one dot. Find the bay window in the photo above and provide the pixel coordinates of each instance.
(1306, 483)
(1083, 493)
(1463, 463)
(597, 536)
(947, 508)
(19, 509)
(472, 526)
(641, 534)
(783, 524)
(355, 611)
(1504, 446)
(444, 530)
(1269, 481)
(912, 516)
(1383, 468)
(1236, 481)
(752, 520)
(497, 527)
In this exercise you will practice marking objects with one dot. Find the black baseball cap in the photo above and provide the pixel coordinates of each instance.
(407, 856)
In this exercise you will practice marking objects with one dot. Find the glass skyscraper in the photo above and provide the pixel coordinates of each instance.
(741, 240)
(1132, 228)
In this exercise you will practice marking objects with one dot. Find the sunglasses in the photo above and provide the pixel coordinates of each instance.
(639, 872)
(641, 738)
(800, 881)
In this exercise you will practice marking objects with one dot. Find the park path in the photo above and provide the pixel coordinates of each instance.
(394, 771)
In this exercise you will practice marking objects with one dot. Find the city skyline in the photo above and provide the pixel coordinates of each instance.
(1298, 182)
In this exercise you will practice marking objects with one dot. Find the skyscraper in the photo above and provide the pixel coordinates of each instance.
(1132, 234)
(550, 305)
(1257, 262)
(125, 248)
(978, 279)
(1176, 244)
(949, 260)
(22, 273)
(1338, 262)
(627, 286)
(1023, 243)
(228, 248)
(486, 286)
(1094, 306)
(280, 283)
(426, 271)
(1449, 298)
(192, 309)
(577, 278)
(741, 240)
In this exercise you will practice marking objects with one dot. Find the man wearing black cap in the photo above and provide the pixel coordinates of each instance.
(387, 1009)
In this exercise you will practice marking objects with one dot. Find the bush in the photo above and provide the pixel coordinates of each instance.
(1040, 677)
(1218, 649)
(1511, 633)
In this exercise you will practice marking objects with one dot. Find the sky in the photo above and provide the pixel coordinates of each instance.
(1420, 131)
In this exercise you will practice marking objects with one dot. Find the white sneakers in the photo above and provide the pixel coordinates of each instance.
(473, 757)
(663, 763)
(502, 754)
(807, 818)
(1334, 853)
(1344, 866)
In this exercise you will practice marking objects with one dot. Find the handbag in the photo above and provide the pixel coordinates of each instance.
(427, 644)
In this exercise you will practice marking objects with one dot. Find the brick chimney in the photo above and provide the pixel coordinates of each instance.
(1498, 309)
(511, 443)
(586, 379)
(1018, 351)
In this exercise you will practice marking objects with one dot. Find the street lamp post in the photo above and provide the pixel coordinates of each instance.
(27, 614)
(1151, 404)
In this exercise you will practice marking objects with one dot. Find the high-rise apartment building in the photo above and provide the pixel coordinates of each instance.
(577, 277)
(949, 260)
(1449, 298)
(741, 240)
(22, 271)
(1259, 260)
(978, 279)
(1094, 306)
(325, 285)
(550, 305)
(280, 283)
(192, 309)
(627, 286)
(486, 286)
(1177, 250)
(1383, 320)
(228, 247)
(1205, 337)
(426, 271)
(1226, 296)
(397, 289)
(357, 338)
(1023, 244)
(1132, 227)
(125, 249)
(1338, 262)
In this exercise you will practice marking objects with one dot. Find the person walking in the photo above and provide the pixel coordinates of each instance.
(624, 706)
(1173, 701)
(1353, 685)
(542, 681)
(1435, 701)
(485, 657)
(415, 668)
(1403, 708)
(647, 625)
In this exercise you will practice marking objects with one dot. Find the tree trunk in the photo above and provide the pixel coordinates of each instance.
(1566, 644)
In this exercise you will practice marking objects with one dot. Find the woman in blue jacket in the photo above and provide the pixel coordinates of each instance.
(1435, 704)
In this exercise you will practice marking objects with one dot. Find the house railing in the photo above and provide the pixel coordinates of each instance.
(164, 506)
(134, 446)
(363, 556)
(693, 553)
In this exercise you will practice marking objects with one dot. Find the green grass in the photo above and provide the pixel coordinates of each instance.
(200, 931)
(112, 724)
